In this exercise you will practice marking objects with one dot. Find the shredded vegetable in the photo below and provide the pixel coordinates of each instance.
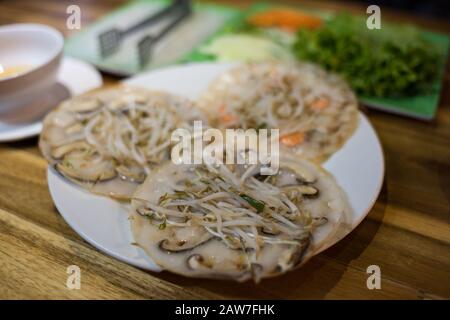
(245, 214)
(289, 19)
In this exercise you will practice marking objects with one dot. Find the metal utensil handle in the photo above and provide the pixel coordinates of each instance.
(175, 6)
(173, 24)
(146, 44)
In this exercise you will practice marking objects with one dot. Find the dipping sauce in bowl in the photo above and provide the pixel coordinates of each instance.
(13, 71)
(30, 55)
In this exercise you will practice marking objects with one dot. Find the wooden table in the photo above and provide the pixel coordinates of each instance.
(407, 233)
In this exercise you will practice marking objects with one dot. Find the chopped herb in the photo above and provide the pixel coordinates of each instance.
(66, 163)
(258, 205)
(149, 215)
(163, 199)
(394, 61)
(163, 225)
(197, 172)
(179, 194)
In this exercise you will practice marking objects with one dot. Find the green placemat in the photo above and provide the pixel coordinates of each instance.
(205, 21)
(421, 106)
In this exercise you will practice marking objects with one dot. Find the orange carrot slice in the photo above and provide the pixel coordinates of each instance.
(293, 139)
(320, 104)
(226, 117)
(229, 118)
(222, 109)
(288, 19)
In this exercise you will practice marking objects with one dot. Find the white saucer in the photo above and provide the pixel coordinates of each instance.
(358, 168)
(75, 77)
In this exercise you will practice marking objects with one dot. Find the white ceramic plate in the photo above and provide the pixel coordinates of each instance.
(74, 78)
(358, 167)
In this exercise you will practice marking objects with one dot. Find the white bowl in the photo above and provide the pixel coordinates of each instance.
(36, 46)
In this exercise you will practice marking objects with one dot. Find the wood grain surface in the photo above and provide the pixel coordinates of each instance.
(407, 233)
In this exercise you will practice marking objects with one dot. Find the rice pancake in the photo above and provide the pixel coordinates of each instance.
(109, 139)
(229, 222)
(315, 111)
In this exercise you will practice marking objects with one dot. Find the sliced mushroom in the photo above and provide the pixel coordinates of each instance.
(305, 190)
(61, 119)
(59, 152)
(200, 265)
(319, 221)
(56, 136)
(269, 231)
(74, 128)
(256, 270)
(126, 99)
(178, 244)
(195, 261)
(84, 104)
(290, 177)
(292, 257)
(308, 190)
(86, 169)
